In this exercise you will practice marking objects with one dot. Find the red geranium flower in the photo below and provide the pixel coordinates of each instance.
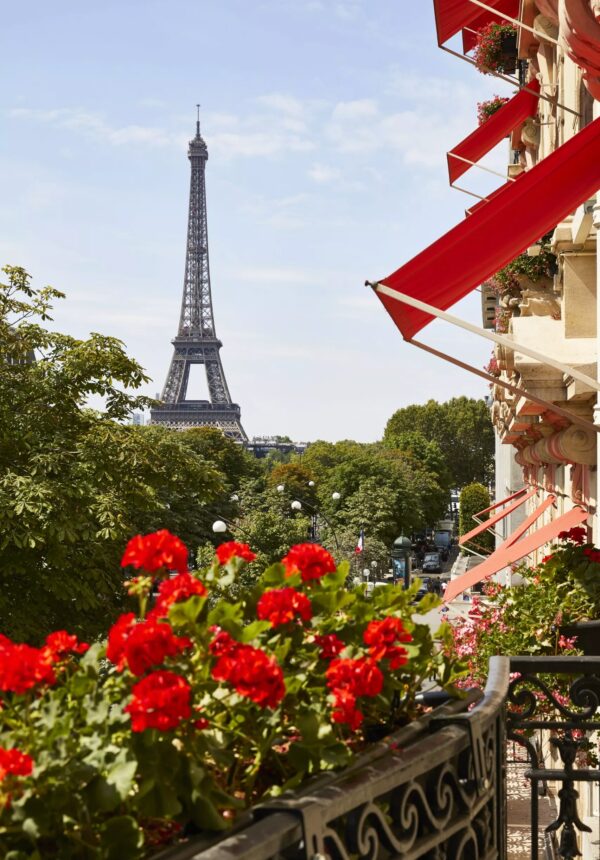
(577, 535)
(161, 701)
(23, 667)
(60, 642)
(592, 554)
(382, 637)
(117, 636)
(233, 549)
(155, 551)
(330, 645)
(250, 671)
(361, 677)
(170, 591)
(147, 644)
(310, 560)
(14, 762)
(345, 710)
(223, 643)
(282, 605)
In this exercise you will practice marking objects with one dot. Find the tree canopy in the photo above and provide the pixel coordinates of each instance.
(76, 484)
(462, 429)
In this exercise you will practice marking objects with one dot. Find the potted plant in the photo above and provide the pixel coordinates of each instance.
(197, 707)
(487, 109)
(496, 49)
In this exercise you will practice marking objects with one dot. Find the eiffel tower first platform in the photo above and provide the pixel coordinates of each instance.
(196, 341)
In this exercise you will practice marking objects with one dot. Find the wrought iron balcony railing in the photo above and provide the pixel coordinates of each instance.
(436, 789)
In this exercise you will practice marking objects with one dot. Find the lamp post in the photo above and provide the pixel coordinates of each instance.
(297, 505)
(219, 527)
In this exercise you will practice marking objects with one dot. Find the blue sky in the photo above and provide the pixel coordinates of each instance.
(327, 123)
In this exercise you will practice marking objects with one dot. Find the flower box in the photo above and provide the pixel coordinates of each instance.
(427, 787)
(203, 711)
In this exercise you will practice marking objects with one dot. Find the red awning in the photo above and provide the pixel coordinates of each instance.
(494, 234)
(487, 524)
(498, 126)
(505, 7)
(514, 549)
(452, 15)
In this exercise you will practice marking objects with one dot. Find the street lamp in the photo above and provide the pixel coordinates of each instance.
(311, 483)
(336, 497)
(280, 488)
(297, 505)
(219, 527)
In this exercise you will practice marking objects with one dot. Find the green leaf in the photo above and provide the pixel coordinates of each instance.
(122, 776)
(252, 631)
(121, 838)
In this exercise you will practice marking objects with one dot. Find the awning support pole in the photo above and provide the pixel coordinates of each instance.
(480, 166)
(470, 193)
(550, 407)
(514, 21)
(489, 335)
(513, 81)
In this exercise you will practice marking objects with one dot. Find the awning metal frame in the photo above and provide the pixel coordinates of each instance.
(500, 339)
(515, 21)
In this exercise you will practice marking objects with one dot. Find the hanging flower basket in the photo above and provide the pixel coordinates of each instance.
(496, 49)
(487, 109)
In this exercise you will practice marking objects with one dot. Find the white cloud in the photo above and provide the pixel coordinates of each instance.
(93, 125)
(323, 173)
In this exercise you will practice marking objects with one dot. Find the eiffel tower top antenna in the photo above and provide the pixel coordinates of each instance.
(198, 120)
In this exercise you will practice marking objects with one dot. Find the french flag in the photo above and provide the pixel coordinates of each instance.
(361, 542)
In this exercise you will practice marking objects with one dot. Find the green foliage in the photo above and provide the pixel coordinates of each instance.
(295, 478)
(74, 484)
(509, 279)
(386, 491)
(474, 498)
(526, 619)
(462, 429)
(100, 789)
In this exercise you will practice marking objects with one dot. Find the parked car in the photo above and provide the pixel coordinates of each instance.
(432, 563)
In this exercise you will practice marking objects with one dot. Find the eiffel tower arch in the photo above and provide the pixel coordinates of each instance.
(196, 341)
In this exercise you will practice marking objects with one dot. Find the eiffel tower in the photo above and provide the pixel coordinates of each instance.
(196, 341)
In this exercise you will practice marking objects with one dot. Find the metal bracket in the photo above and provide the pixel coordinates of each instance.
(311, 819)
(473, 728)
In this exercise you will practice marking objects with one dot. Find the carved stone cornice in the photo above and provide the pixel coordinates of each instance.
(579, 35)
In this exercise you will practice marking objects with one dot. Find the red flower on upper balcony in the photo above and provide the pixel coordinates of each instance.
(575, 535)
